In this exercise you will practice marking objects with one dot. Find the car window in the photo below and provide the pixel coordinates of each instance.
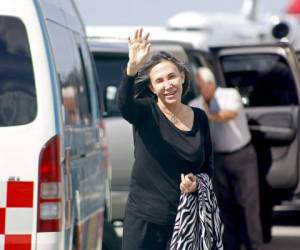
(84, 94)
(195, 60)
(298, 56)
(72, 75)
(110, 71)
(261, 79)
(18, 104)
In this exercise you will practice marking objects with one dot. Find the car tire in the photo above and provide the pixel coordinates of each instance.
(111, 241)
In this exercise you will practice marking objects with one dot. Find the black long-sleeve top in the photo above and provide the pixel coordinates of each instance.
(162, 152)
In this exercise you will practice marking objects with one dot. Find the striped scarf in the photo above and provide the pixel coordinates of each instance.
(198, 225)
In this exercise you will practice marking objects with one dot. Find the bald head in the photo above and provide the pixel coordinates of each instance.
(206, 82)
(206, 75)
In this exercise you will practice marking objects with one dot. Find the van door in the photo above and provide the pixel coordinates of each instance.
(83, 177)
(268, 80)
(91, 171)
(19, 145)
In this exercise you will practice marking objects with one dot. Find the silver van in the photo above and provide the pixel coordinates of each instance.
(53, 154)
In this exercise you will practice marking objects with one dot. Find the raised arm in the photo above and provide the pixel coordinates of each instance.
(139, 47)
(230, 112)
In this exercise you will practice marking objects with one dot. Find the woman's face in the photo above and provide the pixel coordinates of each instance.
(166, 82)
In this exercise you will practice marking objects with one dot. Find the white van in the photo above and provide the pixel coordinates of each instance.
(53, 161)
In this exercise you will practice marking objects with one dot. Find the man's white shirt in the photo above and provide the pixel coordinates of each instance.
(234, 134)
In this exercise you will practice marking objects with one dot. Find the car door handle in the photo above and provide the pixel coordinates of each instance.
(67, 160)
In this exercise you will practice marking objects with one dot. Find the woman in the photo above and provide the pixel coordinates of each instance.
(172, 144)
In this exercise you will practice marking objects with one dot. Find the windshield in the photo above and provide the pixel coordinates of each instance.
(17, 89)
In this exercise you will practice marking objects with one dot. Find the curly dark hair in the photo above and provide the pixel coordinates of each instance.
(143, 78)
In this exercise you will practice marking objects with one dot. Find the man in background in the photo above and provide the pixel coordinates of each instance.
(236, 173)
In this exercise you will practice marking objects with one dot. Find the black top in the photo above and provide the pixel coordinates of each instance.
(162, 152)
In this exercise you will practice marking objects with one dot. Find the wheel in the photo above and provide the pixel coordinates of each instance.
(111, 241)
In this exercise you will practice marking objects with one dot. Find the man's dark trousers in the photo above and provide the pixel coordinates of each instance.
(236, 185)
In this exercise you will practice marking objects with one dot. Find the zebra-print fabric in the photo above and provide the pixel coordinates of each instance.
(198, 225)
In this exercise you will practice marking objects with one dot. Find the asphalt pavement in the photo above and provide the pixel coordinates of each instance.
(284, 238)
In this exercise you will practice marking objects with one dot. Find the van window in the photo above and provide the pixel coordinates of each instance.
(110, 71)
(84, 96)
(262, 79)
(298, 55)
(68, 60)
(99, 86)
(18, 104)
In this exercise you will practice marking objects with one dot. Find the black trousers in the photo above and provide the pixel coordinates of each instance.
(139, 234)
(237, 190)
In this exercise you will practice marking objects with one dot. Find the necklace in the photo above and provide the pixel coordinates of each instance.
(172, 116)
(173, 119)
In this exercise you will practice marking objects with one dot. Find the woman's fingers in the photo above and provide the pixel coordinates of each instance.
(148, 48)
(187, 180)
(145, 41)
(146, 37)
(183, 189)
(191, 177)
(140, 33)
(182, 178)
(139, 39)
(188, 183)
(136, 34)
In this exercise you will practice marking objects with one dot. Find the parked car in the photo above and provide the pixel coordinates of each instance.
(268, 79)
(111, 56)
(53, 153)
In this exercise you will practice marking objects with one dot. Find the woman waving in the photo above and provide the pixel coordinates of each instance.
(172, 143)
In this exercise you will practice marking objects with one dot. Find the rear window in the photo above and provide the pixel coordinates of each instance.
(17, 88)
(110, 71)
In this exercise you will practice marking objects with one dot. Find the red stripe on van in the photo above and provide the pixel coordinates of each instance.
(17, 242)
(2, 220)
(20, 194)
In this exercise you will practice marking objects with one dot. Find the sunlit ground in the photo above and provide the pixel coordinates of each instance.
(284, 238)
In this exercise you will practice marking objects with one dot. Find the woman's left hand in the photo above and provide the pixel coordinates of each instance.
(188, 183)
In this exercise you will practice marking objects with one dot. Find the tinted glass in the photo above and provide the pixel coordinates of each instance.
(17, 87)
(84, 96)
(110, 71)
(262, 79)
(68, 61)
(298, 55)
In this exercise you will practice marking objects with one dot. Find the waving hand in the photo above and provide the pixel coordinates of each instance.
(139, 48)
